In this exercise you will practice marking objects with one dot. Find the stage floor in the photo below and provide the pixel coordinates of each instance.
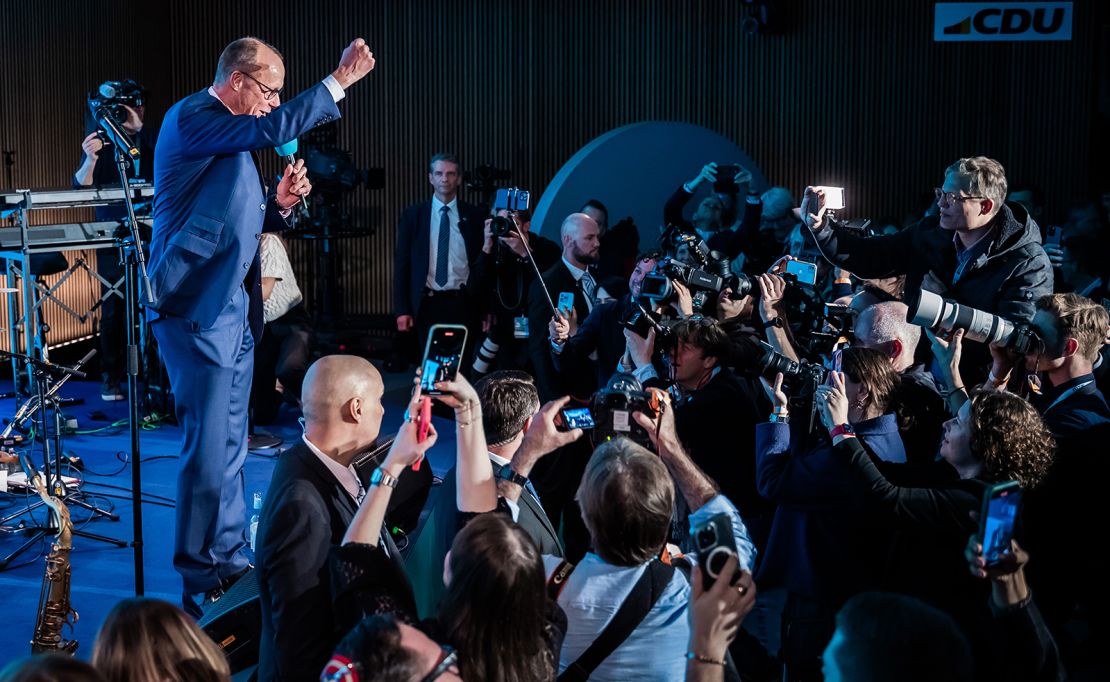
(102, 573)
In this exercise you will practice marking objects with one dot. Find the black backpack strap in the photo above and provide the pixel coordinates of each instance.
(631, 613)
(558, 579)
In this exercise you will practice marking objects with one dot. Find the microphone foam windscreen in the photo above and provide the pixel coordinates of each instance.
(287, 149)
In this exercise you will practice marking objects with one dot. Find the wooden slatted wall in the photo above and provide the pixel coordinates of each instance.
(852, 92)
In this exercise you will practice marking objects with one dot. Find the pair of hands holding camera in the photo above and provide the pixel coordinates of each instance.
(831, 398)
(709, 174)
(516, 240)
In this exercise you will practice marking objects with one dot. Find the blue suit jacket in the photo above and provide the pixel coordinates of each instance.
(210, 201)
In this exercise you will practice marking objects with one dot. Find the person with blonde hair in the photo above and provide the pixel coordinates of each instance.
(143, 640)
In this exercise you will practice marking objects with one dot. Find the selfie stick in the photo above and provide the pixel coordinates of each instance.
(539, 275)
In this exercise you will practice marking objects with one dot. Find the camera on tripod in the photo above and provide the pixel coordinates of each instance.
(112, 98)
(936, 313)
(513, 200)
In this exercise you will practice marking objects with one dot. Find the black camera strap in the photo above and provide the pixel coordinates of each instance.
(632, 612)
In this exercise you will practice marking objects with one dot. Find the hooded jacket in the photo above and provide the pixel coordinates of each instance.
(1007, 279)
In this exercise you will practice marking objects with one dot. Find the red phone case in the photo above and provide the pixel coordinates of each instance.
(422, 424)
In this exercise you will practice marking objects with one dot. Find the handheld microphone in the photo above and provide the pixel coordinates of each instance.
(115, 132)
(286, 152)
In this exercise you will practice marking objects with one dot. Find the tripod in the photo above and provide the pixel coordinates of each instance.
(43, 399)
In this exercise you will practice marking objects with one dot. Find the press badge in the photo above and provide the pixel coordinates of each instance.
(520, 327)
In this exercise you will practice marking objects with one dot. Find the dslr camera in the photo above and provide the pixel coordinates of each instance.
(112, 96)
(513, 200)
(612, 408)
(658, 288)
(934, 312)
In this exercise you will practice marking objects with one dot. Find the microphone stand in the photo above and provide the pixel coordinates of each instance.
(134, 262)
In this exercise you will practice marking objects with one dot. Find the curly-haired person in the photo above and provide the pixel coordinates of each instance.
(995, 437)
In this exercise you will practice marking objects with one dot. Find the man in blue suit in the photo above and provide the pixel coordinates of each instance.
(211, 206)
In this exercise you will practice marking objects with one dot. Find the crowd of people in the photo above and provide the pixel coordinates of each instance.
(787, 465)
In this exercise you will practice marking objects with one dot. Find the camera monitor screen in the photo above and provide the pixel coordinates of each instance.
(578, 418)
(998, 521)
(442, 356)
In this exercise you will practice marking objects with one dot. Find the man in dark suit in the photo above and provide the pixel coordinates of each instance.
(437, 241)
(211, 206)
(601, 333)
(581, 249)
(313, 495)
(509, 401)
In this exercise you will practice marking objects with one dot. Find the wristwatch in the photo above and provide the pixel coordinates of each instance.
(507, 474)
(842, 430)
(773, 322)
(380, 477)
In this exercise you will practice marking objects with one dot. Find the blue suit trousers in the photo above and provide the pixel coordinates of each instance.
(210, 371)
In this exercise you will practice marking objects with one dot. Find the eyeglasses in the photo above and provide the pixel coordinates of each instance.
(268, 93)
(951, 197)
(450, 658)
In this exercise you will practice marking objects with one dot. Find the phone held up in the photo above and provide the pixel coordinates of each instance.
(576, 418)
(442, 356)
(802, 272)
(996, 521)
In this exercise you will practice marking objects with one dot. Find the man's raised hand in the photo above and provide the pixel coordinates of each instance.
(356, 62)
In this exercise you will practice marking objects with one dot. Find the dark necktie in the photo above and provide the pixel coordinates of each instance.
(589, 288)
(444, 249)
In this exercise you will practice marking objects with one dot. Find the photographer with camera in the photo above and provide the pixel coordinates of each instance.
(979, 250)
(822, 548)
(713, 406)
(124, 101)
(500, 279)
(996, 437)
(1070, 331)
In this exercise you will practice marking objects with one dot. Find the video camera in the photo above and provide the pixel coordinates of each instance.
(112, 97)
(711, 275)
(612, 408)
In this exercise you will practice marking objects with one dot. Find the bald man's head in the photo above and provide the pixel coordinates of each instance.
(581, 239)
(333, 381)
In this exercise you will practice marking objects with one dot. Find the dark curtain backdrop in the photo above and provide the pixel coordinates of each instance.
(851, 92)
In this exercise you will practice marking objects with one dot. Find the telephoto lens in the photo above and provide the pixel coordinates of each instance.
(941, 314)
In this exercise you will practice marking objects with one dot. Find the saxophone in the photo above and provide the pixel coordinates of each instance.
(54, 608)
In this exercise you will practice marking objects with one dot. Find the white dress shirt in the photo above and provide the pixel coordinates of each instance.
(344, 474)
(275, 264)
(576, 272)
(457, 267)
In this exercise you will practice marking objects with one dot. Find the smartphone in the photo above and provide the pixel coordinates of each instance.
(714, 543)
(725, 174)
(1053, 235)
(804, 273)
(566, 303)
(442, 356)
(577, 418)
(996, 521)
(834, 198)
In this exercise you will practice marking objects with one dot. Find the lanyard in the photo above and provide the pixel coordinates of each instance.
(1067, 394)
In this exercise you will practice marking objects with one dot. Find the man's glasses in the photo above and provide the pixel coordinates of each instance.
(951, 197)
(268, 93)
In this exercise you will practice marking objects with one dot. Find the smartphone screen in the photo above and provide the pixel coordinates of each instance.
(806, 273)
(442, 356)
(566, 303)
(578, 418)
(1053, 235)
(834, 198)
(1000, 507)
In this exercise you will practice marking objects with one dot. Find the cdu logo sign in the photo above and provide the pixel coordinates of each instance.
(1009, 21)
